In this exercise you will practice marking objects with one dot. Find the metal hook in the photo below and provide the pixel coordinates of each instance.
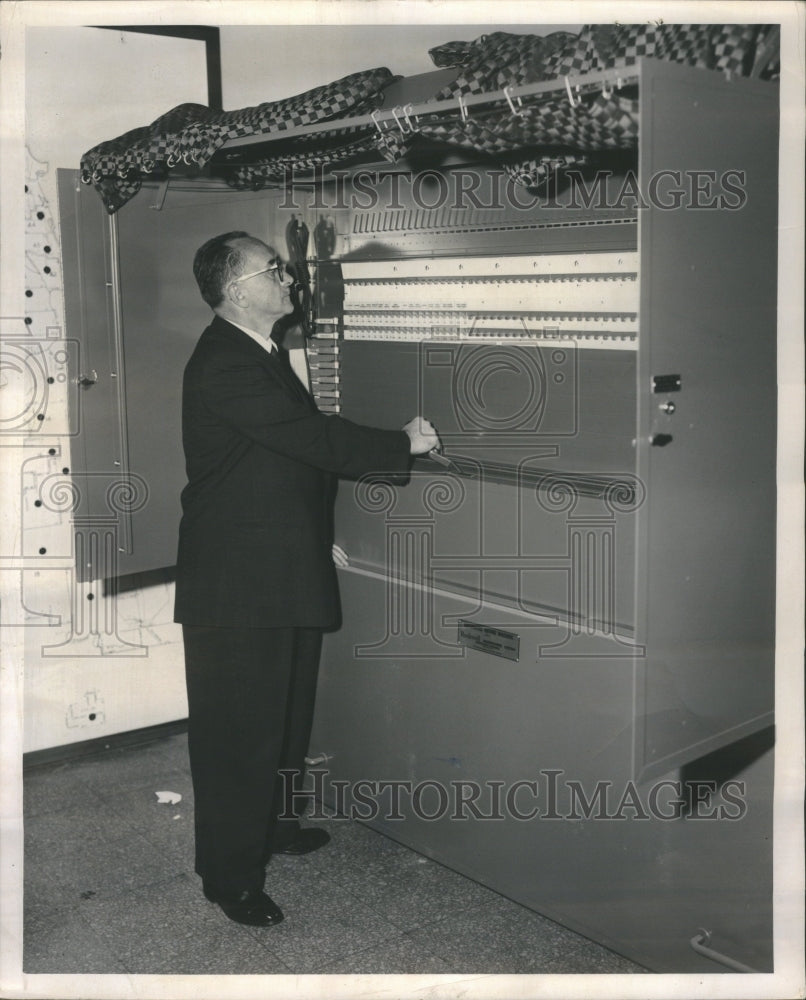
(399, 123)
(605, 92)
(462, 108)
(407, 110)
(571, 100)
(515, 111)
(377, 111)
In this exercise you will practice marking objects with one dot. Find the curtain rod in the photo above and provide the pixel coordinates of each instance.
(391, 116)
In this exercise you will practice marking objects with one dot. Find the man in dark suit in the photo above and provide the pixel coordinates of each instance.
(255, 581)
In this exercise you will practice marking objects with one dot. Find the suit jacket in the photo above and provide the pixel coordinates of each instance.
(255, 537)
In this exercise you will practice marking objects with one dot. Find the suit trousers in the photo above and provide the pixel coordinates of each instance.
(251, 695)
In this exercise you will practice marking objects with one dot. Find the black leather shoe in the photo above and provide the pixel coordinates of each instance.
(248, 907)
(305, 841)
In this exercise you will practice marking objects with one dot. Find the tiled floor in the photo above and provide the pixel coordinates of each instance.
(110, 888)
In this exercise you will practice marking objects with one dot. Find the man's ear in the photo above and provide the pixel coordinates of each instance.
(234, 295)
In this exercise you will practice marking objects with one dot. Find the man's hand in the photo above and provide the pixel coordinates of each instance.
(340, 556)
(422, 436)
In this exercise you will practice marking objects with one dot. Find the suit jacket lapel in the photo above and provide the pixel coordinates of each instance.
(276, 360)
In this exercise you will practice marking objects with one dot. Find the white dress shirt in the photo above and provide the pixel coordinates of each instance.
(296, 358)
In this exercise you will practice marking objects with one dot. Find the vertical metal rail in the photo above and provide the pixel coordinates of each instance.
(118, 375)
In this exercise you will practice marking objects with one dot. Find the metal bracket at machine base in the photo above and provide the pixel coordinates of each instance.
(716, 956)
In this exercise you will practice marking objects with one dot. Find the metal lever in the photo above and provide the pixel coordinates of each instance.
(441, 459)
(88, 379)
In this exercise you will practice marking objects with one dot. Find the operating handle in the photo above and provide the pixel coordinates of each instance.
(439, 457)
(443, 460)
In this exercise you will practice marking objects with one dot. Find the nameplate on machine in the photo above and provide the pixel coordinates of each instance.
(487, 639)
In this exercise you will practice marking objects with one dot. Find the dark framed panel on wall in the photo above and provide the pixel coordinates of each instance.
(212, 42)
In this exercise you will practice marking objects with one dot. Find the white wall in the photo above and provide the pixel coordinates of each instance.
(274, 62)
(85, 85)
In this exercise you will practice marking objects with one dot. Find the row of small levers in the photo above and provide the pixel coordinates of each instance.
(323, 368)
(589, 320)
(610, 295)
(604, 340)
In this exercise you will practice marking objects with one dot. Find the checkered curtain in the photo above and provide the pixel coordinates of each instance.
(191, 133)
(495, 61)
(556, 134)
(563, 134)
(551, 132)
(309, 155)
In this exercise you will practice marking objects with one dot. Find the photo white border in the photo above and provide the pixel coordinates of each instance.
(788, 980)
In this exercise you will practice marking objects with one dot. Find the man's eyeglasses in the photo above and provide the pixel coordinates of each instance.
(276, 266)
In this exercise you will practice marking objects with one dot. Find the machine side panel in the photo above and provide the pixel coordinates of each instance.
(707, 450)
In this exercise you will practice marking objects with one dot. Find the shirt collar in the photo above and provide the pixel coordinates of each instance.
(266, 343)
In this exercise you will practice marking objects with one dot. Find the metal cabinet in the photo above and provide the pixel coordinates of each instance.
(643, 615)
